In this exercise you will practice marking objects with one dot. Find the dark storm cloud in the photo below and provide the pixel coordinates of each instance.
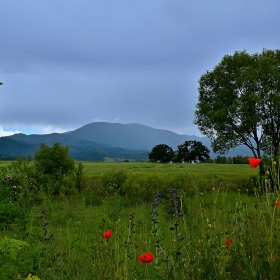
(67, 63)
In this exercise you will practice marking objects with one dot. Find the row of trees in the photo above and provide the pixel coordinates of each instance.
(187, 152)
(229, 160)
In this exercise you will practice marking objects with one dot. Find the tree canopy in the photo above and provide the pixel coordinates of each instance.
(54, 161)
(192, 150)
(239, 102)
(162, 153)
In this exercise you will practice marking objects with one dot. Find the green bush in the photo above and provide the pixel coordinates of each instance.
(113, 181)
(54, 161)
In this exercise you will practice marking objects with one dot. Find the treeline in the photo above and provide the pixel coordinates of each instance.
(187, 152)
(229, 160)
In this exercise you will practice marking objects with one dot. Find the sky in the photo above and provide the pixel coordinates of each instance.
(68, 63)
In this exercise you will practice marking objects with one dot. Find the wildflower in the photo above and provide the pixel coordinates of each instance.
(107, 234)
(159, 194)
(146, 258)
(254, 162)
(228, 242)
(277, 204)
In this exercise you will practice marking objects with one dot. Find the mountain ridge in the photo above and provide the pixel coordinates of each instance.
(131, 136)
(98, 140)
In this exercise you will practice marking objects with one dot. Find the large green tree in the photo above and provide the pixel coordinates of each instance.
(162, 153)
(239, 102)
(54, 161)
(192, 150)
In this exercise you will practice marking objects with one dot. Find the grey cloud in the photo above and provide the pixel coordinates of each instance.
(66, 63)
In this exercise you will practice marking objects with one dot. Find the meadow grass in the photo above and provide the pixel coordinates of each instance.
(207, 169)
(195, 227)
(197, 250)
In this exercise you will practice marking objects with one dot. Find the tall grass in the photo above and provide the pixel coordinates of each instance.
(196, 250)
(195, 227)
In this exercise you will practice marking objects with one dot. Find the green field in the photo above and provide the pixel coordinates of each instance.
(208, 222)
(207, 170)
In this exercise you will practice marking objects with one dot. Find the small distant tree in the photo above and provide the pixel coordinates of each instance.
(54, 161)
(162, 153)
(192, 150)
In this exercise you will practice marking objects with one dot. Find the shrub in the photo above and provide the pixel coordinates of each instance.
(114, 180)
(54, 161)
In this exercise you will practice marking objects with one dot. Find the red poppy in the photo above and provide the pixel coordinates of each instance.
(228, 242)
(146, 258)
(107, 234)
(254, 162)
(277, 204)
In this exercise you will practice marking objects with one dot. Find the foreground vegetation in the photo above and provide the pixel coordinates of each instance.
(195, 225)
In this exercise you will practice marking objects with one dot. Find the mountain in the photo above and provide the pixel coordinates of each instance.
(138, 136)
(131, 136)
(25, 145)
(49, 139)
(99, 140)
(12, 147)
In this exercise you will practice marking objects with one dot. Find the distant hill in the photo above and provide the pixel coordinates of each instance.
(25, 145)
(50, 139)
(10, 147)
(99, 140)
(138, 136)
(131, 136)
